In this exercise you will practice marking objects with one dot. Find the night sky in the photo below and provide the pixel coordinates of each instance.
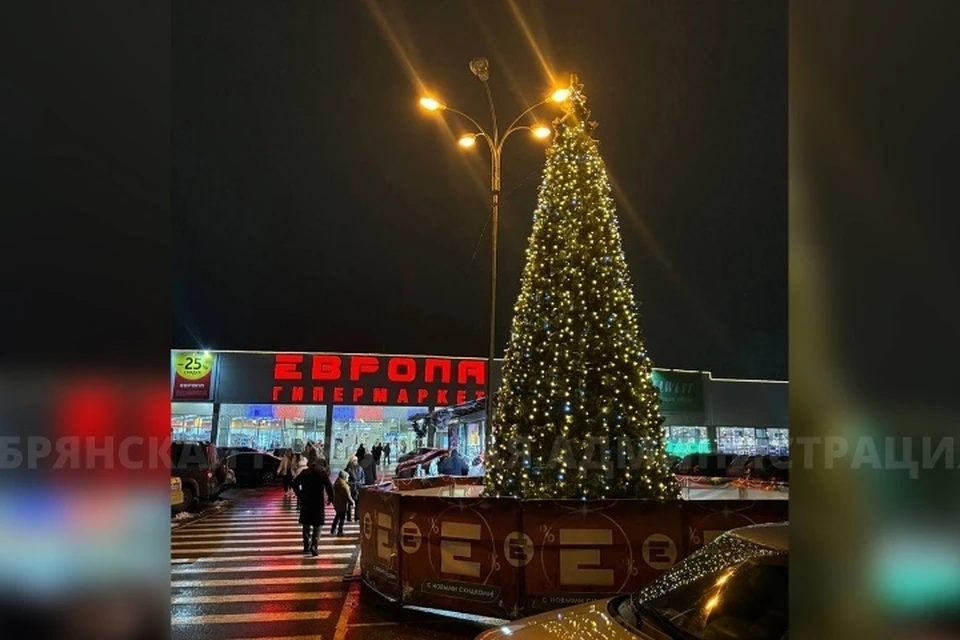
(317, 207)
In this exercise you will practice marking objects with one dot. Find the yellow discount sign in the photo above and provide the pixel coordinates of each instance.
(192, 374)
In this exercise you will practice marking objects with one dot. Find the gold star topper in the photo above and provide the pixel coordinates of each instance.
(575, 107)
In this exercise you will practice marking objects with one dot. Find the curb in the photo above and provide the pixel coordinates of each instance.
(206, 513)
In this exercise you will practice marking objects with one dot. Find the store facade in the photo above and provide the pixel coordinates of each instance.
(271, 400)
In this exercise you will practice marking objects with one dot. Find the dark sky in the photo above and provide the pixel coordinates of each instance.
(316, 207)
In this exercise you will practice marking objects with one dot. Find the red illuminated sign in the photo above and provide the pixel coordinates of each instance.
(367, 379)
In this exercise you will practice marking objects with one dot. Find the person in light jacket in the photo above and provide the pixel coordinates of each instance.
(356, 479)
(342, 501)
(285, 470)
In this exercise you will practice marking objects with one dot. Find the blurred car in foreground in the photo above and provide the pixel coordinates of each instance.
(735, 588)
(253, 469)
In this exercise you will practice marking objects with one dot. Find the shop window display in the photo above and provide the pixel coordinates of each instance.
(368, 425)
(682, 440)
(778, 441)
(739, 441)
(191, 420)
(468, 440)
(269, 427)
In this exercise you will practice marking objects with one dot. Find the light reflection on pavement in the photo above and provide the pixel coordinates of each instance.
(241, 574)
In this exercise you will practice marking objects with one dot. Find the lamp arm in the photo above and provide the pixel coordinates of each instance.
(513, 125)
(471, 120)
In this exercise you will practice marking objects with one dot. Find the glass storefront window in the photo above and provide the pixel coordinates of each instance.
(681, 441)
(778, 441)
(191, 420)
(356, 425)
(739, 441)
(268, 427)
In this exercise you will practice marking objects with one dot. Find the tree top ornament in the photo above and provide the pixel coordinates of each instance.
(575, 107)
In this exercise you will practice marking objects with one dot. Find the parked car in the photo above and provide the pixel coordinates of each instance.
(195, 463)
(424, 458)
(733, 588)
(253, 469)
(760, 468)
(712, 465)
(226, 452)
(176, 494)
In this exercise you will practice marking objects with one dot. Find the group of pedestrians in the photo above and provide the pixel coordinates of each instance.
(380, 451)
(370, 460)
(308, 475)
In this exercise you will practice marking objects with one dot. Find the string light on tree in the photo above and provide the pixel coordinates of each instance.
(576, 366)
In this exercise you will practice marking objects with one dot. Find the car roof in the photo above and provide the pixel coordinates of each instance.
(772, 535)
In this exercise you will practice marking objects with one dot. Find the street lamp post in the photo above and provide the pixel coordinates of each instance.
(480, 67)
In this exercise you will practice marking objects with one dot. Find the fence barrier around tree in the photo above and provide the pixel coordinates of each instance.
(425, 543)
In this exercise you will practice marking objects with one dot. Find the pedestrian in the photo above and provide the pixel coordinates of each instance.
(285, 470)
(377, 453)
(311, 486)
(361, 452)
(342, 502)
(386, 453)
(356, 480)
(454, 465)
(369, 469)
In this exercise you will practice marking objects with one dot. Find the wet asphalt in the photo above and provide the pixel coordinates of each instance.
(240, 574)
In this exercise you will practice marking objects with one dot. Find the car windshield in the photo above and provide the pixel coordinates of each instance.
(732, 588)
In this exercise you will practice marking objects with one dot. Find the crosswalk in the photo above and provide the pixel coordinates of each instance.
(242, 574)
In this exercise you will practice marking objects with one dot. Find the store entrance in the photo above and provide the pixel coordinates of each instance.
(356, 425)
(271, 427)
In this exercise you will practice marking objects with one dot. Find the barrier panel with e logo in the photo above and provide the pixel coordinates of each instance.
(589, 550)
(453, 556)
(379, 523)
(507, 558)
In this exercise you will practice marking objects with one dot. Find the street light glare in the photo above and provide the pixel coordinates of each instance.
(560, 95)
(430, 104)
(467, 141)
(541, 132)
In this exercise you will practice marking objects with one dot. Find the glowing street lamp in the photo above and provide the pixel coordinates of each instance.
(480, 67)
(430, 104)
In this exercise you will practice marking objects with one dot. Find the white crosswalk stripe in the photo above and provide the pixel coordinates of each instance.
(241, 574)
(344, 540)
(283, 596)
(246, 558)
(226, 618)
(245, 582)
(190, 569)
(243, 549)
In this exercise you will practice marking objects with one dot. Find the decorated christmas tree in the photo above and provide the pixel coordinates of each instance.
(578, 414)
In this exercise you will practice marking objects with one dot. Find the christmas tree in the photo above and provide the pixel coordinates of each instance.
(578, 414)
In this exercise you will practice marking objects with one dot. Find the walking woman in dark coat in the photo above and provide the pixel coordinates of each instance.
(310, 486)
